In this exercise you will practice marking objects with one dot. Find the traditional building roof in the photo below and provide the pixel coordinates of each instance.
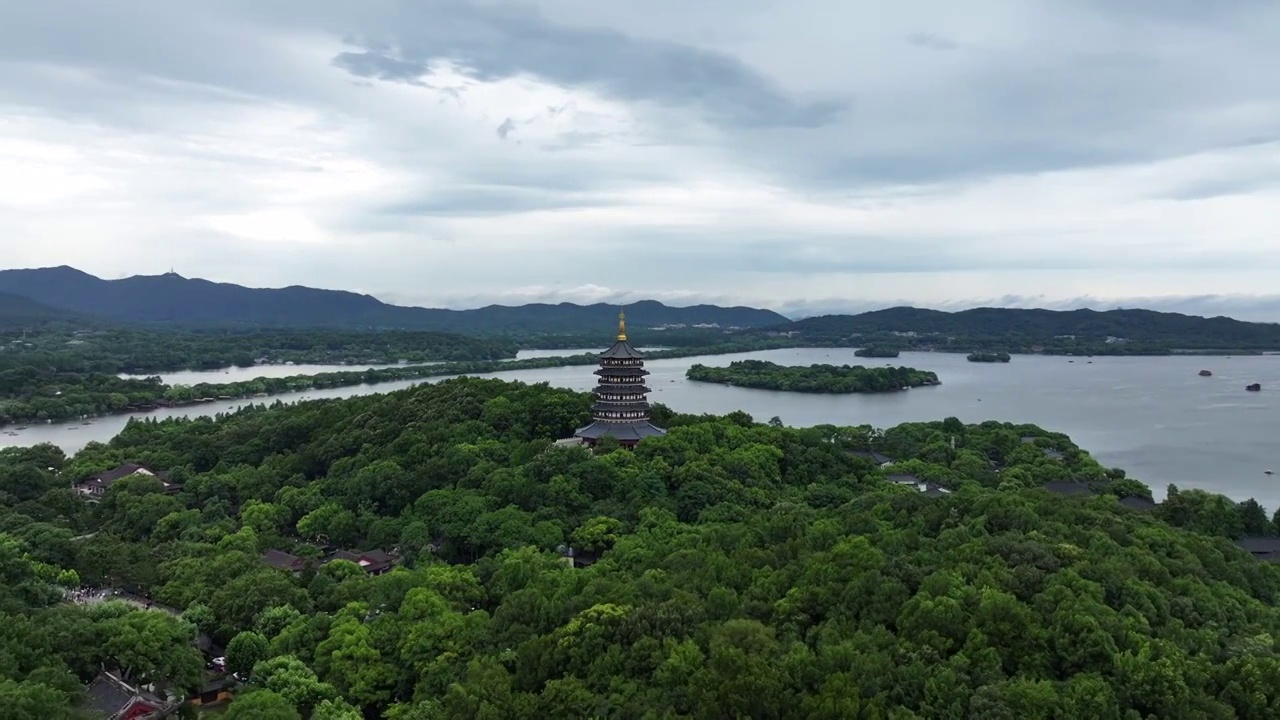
(1140, 504)
(873, 456)
(110, 698)
(624, 432)
(105, 699)
(283, 560)
(98, 485)
(1068, 488)
(374, 562)
(1259, 545)
(622, 350)
(124, 470)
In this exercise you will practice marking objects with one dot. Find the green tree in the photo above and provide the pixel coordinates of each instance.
(261, 705)
(246, 650)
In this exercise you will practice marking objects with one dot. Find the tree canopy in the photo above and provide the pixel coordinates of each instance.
(766, 375)
(727, 569)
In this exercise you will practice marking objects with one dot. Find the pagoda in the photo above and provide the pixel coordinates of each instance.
(621, 407)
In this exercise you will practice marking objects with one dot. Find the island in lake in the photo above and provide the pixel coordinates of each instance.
(838, 379)
(876, 351)
(989, 357)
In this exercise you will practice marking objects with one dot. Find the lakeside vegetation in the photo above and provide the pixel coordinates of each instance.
(877, 351)
(988, 357)
(743, 570)
(1050, 332)
(137, 351)
(764, 375)
(35, 394)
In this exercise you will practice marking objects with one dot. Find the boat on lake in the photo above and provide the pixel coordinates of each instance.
(1205, 373)
(1256, 387)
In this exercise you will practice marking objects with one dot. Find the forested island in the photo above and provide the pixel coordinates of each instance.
(765, 375)
(740, 570)
(988, 357)
(876, 351)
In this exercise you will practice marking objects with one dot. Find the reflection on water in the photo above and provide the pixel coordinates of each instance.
(1154, 417)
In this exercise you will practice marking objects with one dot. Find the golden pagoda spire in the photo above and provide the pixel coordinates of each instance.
(622, 324)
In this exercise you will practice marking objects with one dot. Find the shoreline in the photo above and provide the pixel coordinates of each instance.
(266, 387)
(725, 349)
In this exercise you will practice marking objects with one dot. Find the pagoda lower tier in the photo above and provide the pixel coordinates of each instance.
(626, 433)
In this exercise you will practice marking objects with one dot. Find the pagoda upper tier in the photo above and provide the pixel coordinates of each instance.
(621, 408)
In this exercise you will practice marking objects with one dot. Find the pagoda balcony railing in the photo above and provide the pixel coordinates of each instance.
(611, 416)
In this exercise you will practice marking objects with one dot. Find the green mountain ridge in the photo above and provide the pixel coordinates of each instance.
(17, 311)
(173, 299)
(1015, 327)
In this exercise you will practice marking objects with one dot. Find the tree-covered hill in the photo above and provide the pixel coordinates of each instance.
(173, 299)
(740, 570)
(18, 313)
(1019, 330)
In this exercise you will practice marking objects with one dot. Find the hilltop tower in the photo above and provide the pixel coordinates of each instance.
(621, 408)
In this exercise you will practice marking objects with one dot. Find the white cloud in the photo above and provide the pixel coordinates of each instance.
(802, 155)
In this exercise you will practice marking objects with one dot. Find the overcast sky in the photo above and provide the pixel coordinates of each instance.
(805, 155)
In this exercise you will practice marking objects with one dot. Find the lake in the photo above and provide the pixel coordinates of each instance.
(240, 374)
(1153, 416)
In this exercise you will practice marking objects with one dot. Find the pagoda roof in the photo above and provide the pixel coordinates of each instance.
(623, 431)
(622, 370)
(622, 350)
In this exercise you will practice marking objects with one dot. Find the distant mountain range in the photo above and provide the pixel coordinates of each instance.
(35, 297)
(1019, 327)
(17, 311)
(173, 299)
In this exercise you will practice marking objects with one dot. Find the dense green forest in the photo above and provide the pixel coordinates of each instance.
(765, 375)
(171, 299)
(43, 393)
(1058, 332)
(50, 649)
(988, 357)
(139, 351)
(743, 571)
(877, 351)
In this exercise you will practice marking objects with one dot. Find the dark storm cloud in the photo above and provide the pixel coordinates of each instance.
(494, 43)
(378, 66)
(932, 41)
(816, 101)
(1106, 82)
(488, 202)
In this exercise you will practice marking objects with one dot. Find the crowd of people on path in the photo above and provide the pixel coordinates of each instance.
(85, 595)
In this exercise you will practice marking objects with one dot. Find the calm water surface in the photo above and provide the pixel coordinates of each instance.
(239, 374)
(1154, 417)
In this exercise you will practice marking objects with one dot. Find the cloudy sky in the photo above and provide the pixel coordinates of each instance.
(805, 155)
